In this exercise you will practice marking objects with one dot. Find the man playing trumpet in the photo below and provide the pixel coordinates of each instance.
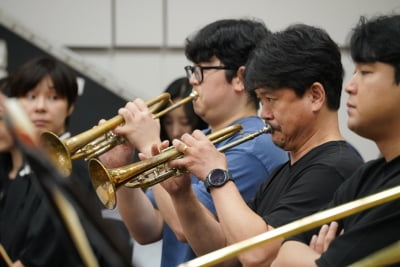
(217, 75)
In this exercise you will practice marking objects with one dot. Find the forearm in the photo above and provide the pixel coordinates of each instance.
(239, 222)
(141, 219)
(296, 254)
(200, 226)
(167, 211)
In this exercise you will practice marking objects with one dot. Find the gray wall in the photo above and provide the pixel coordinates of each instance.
(139, 42)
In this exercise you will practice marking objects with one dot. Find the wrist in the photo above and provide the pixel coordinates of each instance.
(217, 178)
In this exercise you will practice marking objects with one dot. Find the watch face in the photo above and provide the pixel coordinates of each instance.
(217, 177)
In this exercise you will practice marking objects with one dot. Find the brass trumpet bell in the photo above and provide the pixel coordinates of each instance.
(154, 170)
(58, 151)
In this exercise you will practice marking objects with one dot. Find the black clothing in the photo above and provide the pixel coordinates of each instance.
(29, 230)
(295, 191)
(367, 231)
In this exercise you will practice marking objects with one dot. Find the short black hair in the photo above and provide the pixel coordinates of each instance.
(230, 40)
(296, 58)
(29, 74)
(377, 39)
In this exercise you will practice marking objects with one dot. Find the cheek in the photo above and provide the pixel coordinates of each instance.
(287, 118)
(168, 128)
(59, 110)
(187, 129)
(368, 104)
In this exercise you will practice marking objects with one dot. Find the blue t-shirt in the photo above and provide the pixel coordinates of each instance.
(250, 164)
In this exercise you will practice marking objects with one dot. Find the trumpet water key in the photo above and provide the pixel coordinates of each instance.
(99, 139)
(154, 170)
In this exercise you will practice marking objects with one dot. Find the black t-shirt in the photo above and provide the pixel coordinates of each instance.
(367, 231)
(28, 226)
(295, 191)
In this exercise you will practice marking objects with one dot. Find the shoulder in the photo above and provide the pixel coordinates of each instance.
(335, 154)
(373, 176)
(330, 163)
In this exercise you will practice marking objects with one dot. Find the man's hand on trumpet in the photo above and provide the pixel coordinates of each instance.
(119, 155)
(200, 155)
(140, 129)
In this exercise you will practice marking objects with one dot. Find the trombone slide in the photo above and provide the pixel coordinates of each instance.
(4, 256)
(295, 227)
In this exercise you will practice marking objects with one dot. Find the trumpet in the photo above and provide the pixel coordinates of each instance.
(99, 139)
(154, 170)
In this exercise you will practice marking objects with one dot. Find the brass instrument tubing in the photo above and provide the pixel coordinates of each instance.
(5, 257)
(296, 227)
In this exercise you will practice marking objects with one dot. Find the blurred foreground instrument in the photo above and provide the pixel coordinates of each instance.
(4, 256)
(99, 139)
(296, 227)
(154, 170)
(72, 212)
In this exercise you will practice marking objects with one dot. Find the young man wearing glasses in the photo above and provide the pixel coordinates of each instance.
(219, 52)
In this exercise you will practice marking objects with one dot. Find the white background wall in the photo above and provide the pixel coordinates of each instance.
(140, 42)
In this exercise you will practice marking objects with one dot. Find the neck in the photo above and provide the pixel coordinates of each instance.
(389, 145)
(16, 158)
(324, 130)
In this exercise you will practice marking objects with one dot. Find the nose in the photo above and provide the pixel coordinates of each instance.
(266, 113)
(351, 86)
(40, 104)
(177, 131)
(193, 80)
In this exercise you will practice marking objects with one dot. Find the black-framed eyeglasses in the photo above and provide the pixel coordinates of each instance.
(197, 71)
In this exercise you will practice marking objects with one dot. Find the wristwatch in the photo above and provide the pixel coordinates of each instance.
(217, 178)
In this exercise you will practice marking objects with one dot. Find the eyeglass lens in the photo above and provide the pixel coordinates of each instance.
(194, 70)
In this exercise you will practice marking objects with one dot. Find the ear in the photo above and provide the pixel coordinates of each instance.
(70, 110)
(317, 95)
(238, 81)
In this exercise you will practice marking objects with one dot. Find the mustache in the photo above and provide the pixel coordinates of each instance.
(273, 127)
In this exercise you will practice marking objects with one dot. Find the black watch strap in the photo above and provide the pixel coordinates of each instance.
(217, 178)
